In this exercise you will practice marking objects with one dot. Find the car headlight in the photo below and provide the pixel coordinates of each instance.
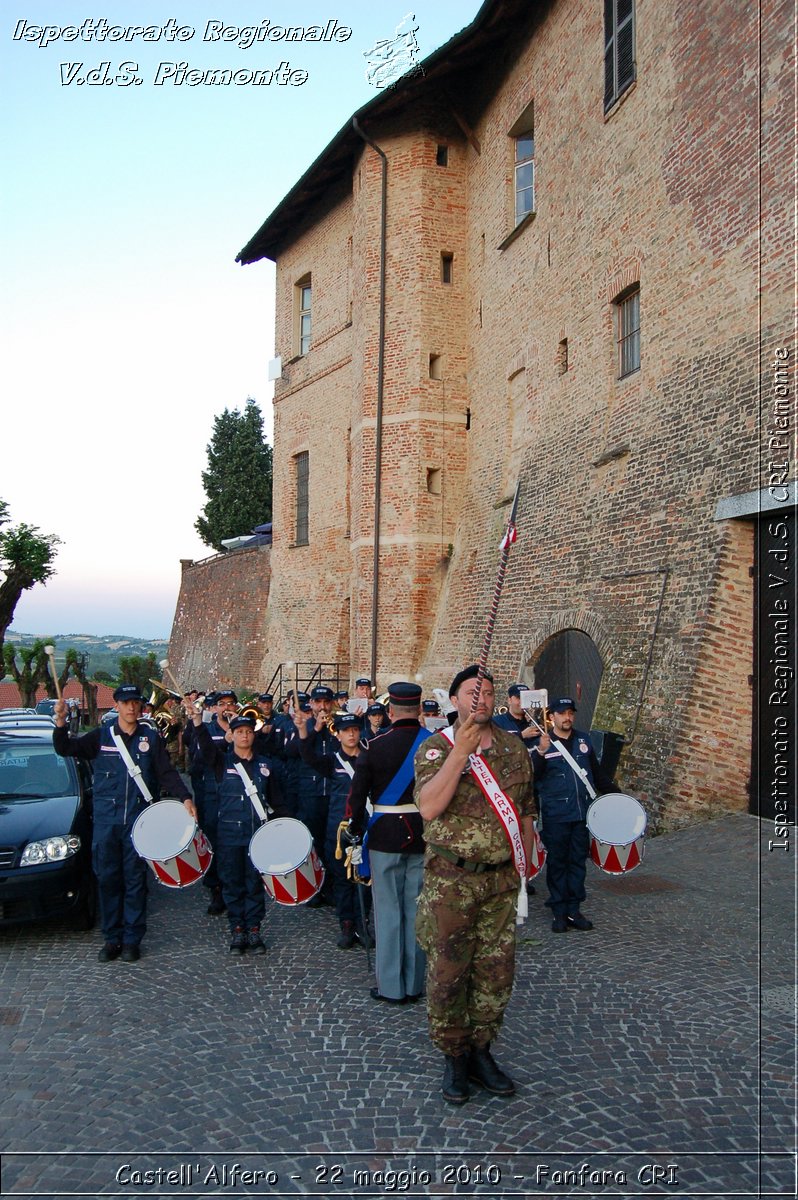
(53, 849)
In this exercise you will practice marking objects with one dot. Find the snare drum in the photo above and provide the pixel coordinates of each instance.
(617, 826)
(175, 847)
(283, 854)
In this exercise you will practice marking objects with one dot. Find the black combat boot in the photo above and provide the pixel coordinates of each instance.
(348, 936)
(238, 941)
(255, 941)
(484, 1071)
(455, 1079)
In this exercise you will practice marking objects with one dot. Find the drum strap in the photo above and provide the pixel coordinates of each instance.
(252, 792)
(507, 815)
(133, 769)
(574, 765)
(350, 770)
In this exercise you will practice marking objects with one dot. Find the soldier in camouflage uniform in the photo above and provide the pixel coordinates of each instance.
(466, 911)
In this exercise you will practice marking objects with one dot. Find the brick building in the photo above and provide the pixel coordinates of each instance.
(556, 254)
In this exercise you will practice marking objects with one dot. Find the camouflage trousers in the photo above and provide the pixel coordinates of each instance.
(466, 925)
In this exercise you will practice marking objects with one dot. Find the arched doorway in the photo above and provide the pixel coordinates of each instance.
(570, 665)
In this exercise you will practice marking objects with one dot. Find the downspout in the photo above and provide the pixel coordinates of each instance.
(375, 589)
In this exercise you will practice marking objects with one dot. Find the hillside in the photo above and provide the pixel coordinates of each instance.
(102, 653)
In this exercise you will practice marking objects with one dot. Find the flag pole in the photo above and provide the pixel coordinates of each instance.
(510, 536)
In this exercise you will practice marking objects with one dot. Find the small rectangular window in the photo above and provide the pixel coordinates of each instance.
(302, 479)
(435, 366)
(628, 325)
(303, 293)
(619, 49)
(442, 156)
(524, 176)
(562, 357)
(447, 263)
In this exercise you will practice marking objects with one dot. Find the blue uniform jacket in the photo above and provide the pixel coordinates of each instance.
(562, 795)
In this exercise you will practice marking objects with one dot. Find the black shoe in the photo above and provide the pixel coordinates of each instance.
(559, 925)
(577, 921)
(255, 942)
(348, 936)
(109, 952)
(315, 901)
(484, 1071)
(376, 994)
(238, 942)
(130, 954)
(455, 1079)
(217, 905)
(414, 998)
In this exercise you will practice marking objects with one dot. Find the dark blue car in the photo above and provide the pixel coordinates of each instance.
(45, 831)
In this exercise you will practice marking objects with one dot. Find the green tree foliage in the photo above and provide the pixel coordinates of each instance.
(135, 669)
(238, 481)
(26, 558)
(31, 670)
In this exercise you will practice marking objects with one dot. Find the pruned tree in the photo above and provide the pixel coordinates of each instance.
(32, 670)
(26, 558)
(238, 479)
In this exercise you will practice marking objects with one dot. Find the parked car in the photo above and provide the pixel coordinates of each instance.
(26, 721)
(45, 831)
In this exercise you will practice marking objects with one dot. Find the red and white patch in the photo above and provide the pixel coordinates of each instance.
(432, 754)
(265, 771)
(144, 745)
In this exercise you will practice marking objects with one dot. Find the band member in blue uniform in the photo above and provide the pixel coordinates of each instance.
(339, 769)
(564, 801)
(222, 701)
(236, 768)
(314, 784)
(118, 802)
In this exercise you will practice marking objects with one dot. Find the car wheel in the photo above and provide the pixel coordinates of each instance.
(85, 912)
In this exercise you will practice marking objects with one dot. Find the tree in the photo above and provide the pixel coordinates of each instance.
(135, 669)
(26, 558)
(238, 481)
(33, 671)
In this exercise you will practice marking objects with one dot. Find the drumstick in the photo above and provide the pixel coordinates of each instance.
(50, 652)
(164, 665)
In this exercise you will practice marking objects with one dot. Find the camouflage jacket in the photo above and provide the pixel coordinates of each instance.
(469, 827)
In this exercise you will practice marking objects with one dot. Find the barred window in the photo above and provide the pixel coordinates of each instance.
(627, 315)
(619, 49)
(302, 469)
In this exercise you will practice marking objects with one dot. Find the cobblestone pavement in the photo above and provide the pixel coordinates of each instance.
(653, 1056)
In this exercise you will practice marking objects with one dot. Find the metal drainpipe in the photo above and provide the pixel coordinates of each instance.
(375, 590)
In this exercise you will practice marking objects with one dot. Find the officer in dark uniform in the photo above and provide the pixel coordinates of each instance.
(393, 843)
(118, 802)
(242, 886)
(515, 719)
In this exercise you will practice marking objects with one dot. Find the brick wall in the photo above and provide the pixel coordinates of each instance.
(219, 629)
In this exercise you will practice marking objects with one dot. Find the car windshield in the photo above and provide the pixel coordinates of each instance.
(32, 769)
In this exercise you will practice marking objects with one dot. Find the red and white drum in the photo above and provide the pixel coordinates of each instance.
(172, 843)
(537, 858)
(617, 826)
(282, 852)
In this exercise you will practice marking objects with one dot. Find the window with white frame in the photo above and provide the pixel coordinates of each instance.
(627, 322)
(303, 301)
(524, 176)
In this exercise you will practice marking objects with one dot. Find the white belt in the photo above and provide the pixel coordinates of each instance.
(395, 808)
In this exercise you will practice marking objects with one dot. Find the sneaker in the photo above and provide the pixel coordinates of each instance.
(577, 921)
(109, 952)
(255, 942)
(217, 905)
(238, 942)
(559, 925)
(130, 954)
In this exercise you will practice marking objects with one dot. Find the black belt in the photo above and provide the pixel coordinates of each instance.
(477, 868)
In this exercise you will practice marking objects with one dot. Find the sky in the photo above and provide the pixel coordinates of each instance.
(127, 325)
